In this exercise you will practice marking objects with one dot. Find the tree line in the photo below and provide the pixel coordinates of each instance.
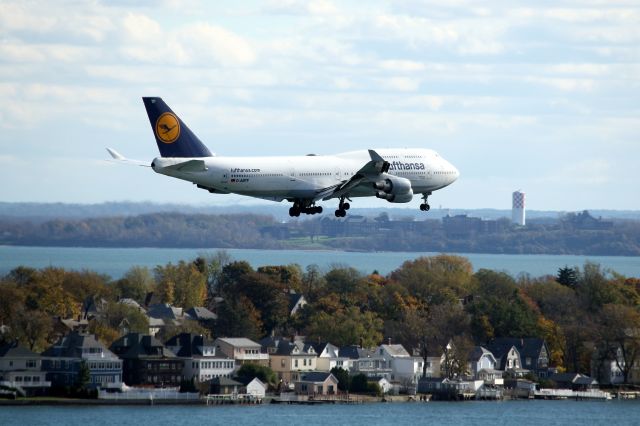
(583, 313)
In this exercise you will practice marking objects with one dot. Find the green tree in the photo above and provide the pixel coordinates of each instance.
(620, 334)
(344, 381)
(347, 326)
(567, 277)
(238, 317)
(135, 284)
(83, 378)
(248, 372)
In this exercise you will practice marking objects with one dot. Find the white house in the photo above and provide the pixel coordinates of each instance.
(256, 388)
(201, 362)
(21, 368)
(481, 359)
(328, 357)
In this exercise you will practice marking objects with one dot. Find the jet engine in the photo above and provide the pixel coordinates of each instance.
(394, 189)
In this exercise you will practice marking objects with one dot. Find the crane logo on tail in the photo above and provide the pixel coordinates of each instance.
(167, 128)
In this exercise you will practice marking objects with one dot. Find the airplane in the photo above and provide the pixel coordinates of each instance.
(394, 175)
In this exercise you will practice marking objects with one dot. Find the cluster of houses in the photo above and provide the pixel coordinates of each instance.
(142, 360)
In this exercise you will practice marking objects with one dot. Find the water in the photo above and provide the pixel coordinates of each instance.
(521, 413)
(116, 261)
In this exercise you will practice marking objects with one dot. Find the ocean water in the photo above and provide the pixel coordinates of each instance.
(116, 261)
(521, 413)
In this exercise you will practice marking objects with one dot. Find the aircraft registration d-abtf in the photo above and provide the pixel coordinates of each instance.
(394, 175)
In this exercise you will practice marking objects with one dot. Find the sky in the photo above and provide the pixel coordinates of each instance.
(538, 96)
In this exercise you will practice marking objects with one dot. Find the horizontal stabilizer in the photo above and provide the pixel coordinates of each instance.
(119, 158)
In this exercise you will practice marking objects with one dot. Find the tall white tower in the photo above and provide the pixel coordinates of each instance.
(517, 208)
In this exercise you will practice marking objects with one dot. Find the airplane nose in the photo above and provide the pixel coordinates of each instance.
(456, 173)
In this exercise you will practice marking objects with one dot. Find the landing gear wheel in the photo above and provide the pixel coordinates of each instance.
(294, 212)
(346, 206)
(340, 213)
(318, 210)
(425, 207)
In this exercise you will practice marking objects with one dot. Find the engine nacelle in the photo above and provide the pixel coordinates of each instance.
(393, 185)
(394, 189)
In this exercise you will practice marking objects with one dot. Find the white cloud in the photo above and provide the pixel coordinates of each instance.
(403, 84)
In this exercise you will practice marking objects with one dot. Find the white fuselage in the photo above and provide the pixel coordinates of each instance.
(301, 177)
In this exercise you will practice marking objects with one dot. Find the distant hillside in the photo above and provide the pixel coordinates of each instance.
(462, 234)
(40, 212)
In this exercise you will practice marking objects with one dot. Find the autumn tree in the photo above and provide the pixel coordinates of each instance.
(136, 283)
(620, 336)
(348, 326)
(181, 285)
(436, 279)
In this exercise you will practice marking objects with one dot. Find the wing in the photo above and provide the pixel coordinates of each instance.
(368, 173)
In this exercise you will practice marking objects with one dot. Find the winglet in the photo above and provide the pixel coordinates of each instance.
(375, 156)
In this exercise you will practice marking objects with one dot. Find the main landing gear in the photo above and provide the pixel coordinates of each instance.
(342, 208)
(306, 208)
(425, 207)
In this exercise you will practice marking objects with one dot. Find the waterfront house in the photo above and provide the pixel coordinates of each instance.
(534, 353)
(256, 388)
(481, 359)
(317, 383)
(291, 359)
(405, 368)
(365, 361)
(147, 362)
(243, 350)
(225, 386)
(21, 369)
(328, 357)
(64, 359)
(606, 363)
(490, 376)
(574, 381)
(199, 355)
(506, 355)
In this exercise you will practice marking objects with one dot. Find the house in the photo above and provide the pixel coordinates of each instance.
(147, 362)
(367, 362)
(317, 383)
(291, 359)
(225, 386)
(405, 368)
(256, 388)
(534, 353)
(328, 357)
(445, 388)
(490, 376)
(481, 359)
(606, 365)
(200, 314)
(296, 302)
(574, 381)
(65, 358)
(506, 355)
(385, 385)
(243, 350)
(93, 307)
(199, 355)
(165, 312)
(21, 369)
